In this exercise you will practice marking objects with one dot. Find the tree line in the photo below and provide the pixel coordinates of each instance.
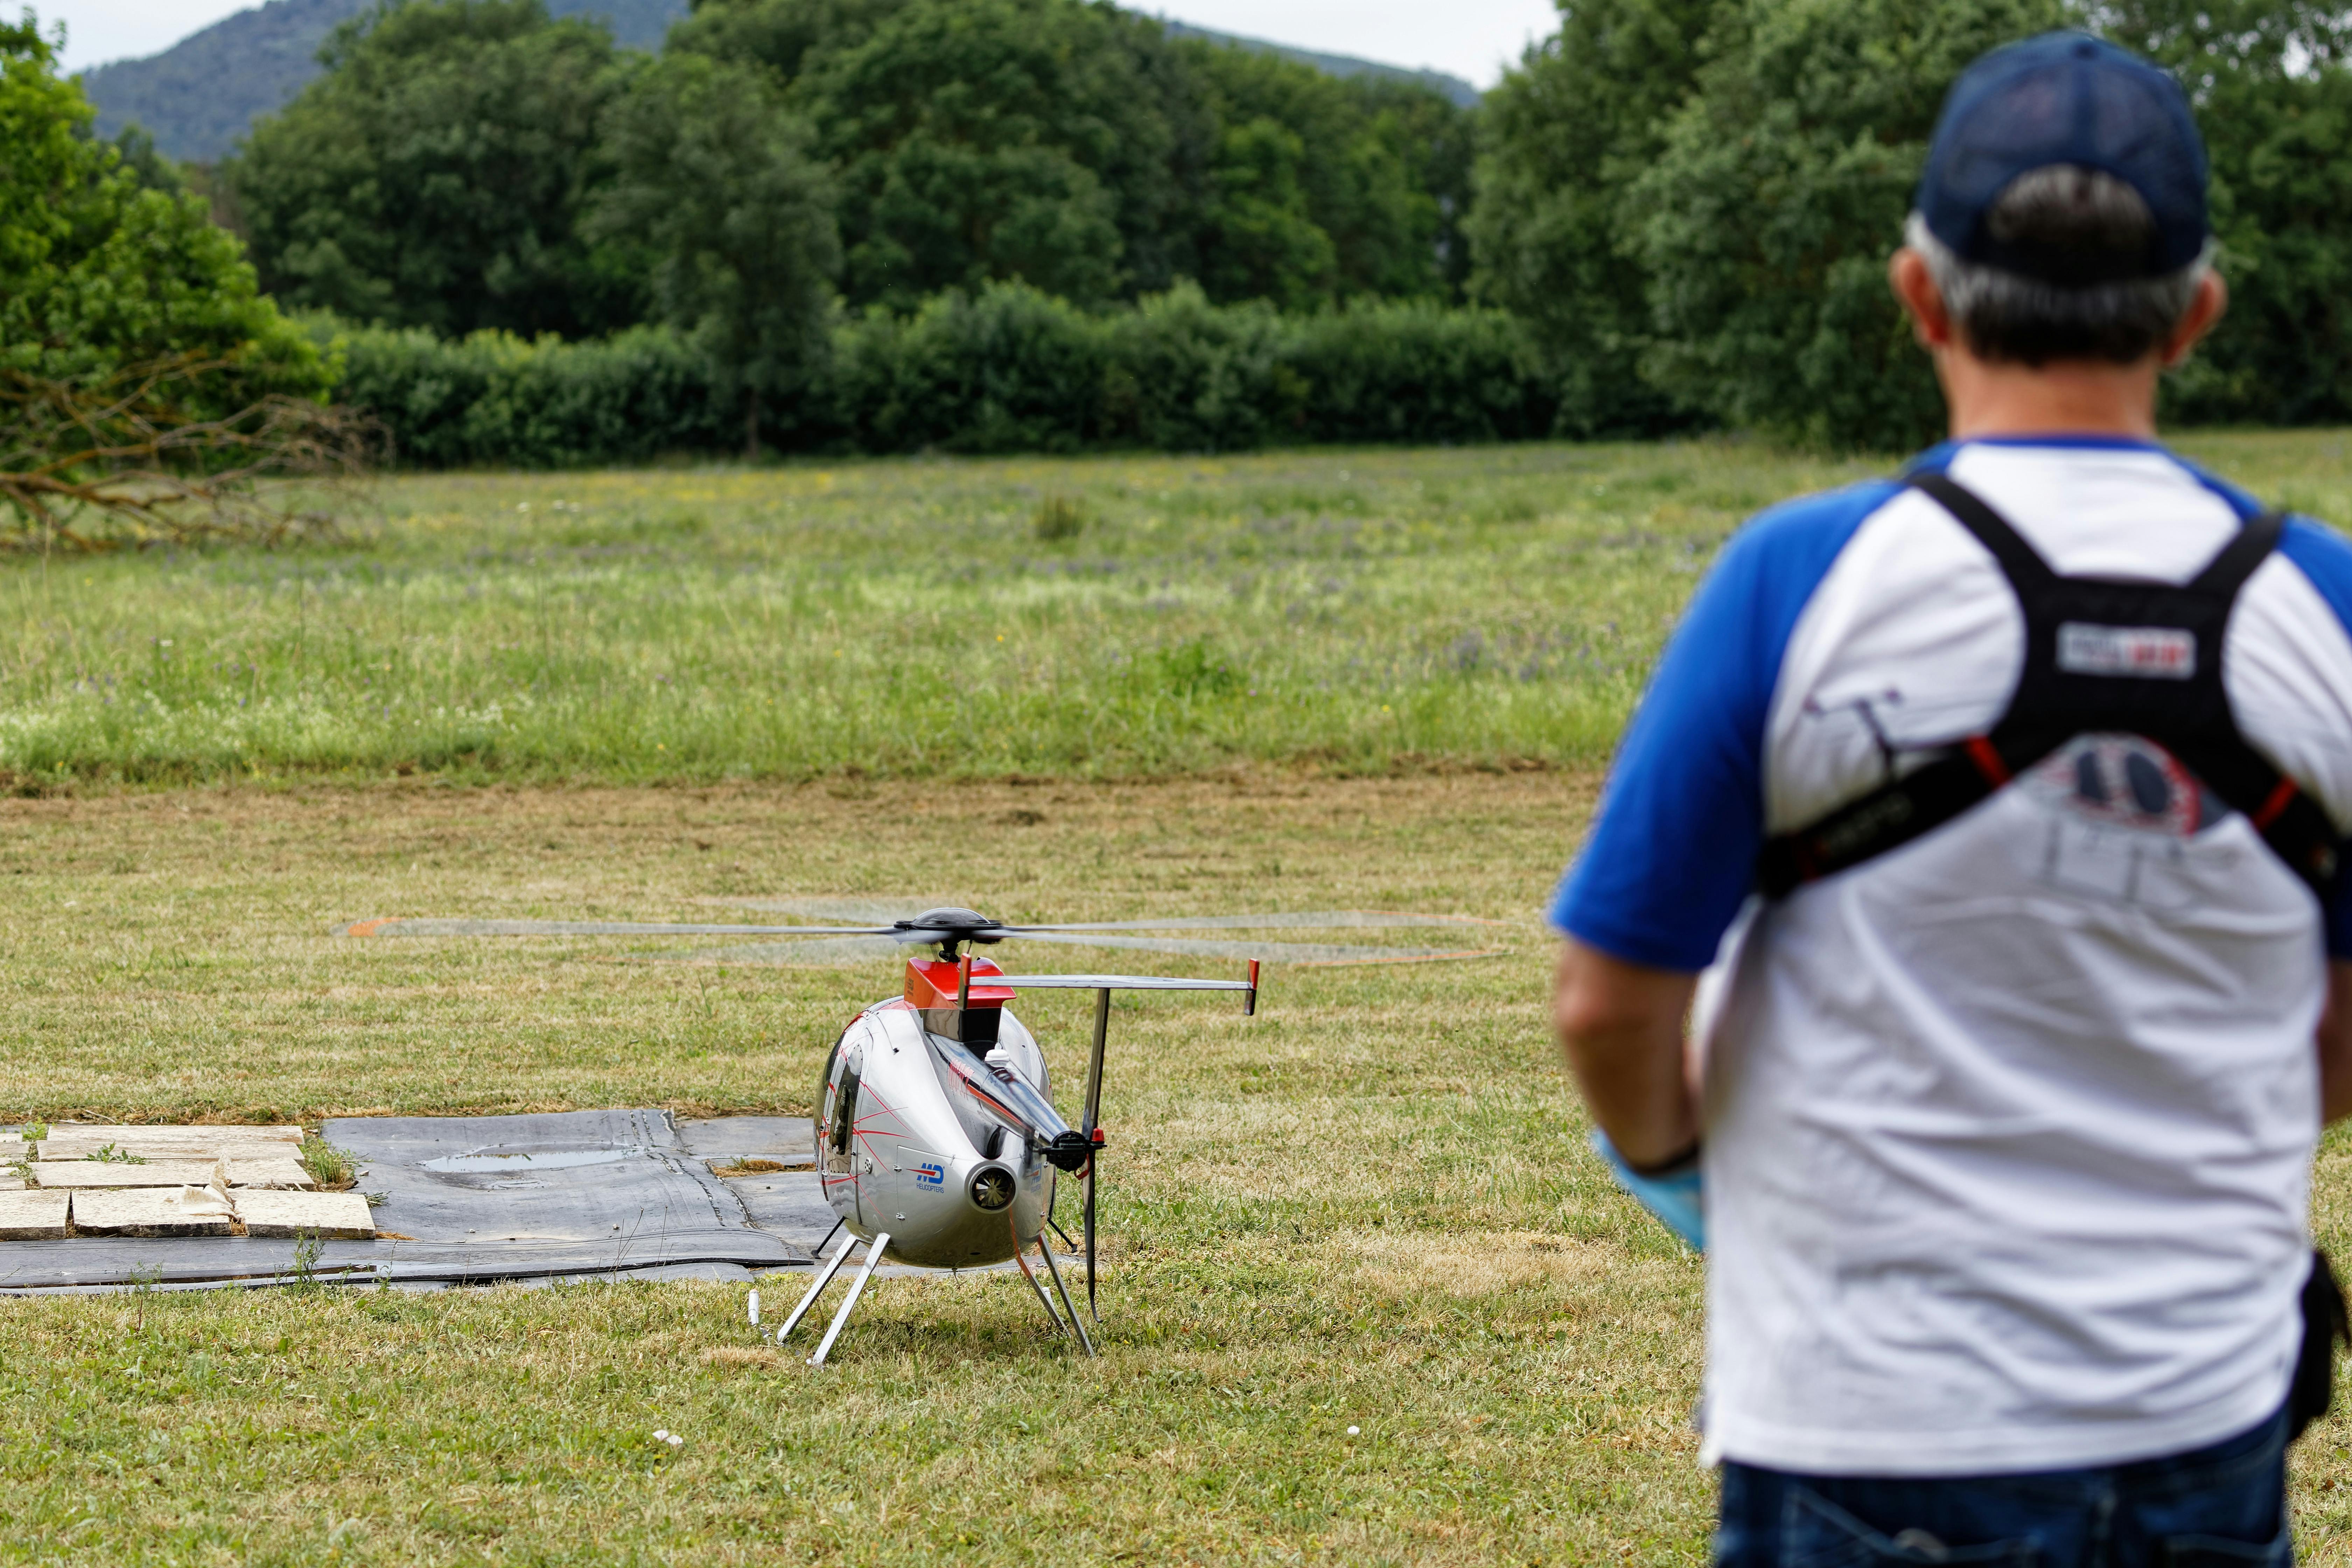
(471, 164)
(1672, 215)
(1691, 203)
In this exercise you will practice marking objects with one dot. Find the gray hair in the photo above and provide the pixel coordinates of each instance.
(2005, 315)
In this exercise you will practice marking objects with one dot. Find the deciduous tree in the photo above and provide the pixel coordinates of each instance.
(101, 270)
(437, 175)
(1552, 236)
(716, 175)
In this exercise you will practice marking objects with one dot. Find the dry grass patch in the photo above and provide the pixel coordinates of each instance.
(1477, 1263)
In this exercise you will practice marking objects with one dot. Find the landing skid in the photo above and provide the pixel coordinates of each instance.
(1021, 1256)
(874, 1250)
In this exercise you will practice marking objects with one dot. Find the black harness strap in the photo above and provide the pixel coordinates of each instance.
(2102, 654)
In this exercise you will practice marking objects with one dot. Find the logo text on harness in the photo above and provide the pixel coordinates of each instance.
(2151, 653)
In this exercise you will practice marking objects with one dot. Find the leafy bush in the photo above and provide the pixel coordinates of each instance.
(1189, 376)
(1006, 369)
(1420, 373)
(493, 398)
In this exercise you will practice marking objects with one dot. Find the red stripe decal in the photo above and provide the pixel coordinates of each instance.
(1986, 758)
(2274, 807)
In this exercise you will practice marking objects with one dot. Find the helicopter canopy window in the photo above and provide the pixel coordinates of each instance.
(976, 1027)
(844, 1096)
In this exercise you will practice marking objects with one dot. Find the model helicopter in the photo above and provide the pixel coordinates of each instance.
(936, 1138)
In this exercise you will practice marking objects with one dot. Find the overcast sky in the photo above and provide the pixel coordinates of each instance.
(1471, 39)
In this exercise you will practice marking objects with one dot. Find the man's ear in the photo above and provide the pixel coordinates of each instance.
(2206, 309)
(1915, 285)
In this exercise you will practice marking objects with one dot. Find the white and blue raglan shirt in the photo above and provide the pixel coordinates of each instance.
(2009, 1130)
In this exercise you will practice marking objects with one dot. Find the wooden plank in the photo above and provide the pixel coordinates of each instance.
(152, 1211)
(166, 1133)
(33, 1216)
(10, 1182)
(253, 1143)
(80, 1173)
(287, 1173)
(93, 1173)
(332, 1217)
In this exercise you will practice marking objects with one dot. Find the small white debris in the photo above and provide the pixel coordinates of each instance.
(1351, 1431)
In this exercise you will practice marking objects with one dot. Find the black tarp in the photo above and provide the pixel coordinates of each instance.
(572, 1195)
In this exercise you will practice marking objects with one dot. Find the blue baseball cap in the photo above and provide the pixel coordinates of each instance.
(2066, 98)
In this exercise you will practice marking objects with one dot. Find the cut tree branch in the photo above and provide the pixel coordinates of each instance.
(139, 455)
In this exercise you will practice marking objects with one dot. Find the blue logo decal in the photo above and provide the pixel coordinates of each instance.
(929, 1175)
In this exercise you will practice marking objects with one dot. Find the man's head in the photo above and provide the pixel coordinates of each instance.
(2061, 220)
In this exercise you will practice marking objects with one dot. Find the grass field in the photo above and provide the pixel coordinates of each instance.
(1114, 618)
(1366, 1207)
(1347, 612)
(1370, 1208)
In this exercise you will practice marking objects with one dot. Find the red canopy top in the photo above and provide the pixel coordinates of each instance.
(931, 982)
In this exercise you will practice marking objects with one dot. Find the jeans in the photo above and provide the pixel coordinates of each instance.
(2222, 1507)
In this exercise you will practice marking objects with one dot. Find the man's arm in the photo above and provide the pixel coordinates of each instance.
(2336, 1044)
(1620, 1030)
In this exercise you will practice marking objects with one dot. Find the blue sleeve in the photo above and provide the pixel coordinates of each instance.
(1672, 854)
(2324, 557)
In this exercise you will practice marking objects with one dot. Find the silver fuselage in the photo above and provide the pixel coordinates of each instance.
(910, 1125)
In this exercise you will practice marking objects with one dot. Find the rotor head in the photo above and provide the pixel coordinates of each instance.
(950, 928)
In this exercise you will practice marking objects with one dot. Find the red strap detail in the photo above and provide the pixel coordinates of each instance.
(2274, 807)
(1986, 758)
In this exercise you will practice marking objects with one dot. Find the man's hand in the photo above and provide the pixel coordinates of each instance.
(1620, 1030)
(2335, 1045)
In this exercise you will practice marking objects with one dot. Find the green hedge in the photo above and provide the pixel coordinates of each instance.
(1007, 369)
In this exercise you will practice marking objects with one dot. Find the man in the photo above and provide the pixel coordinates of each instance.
(2003, 800)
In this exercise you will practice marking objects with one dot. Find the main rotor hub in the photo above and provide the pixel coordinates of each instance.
(950, 928)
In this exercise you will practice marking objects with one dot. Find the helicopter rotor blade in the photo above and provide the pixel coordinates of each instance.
(876, 911)
(1314, 920)
(831, 950)
(1275, 951)
(857, 949)
(404, 926)
(885, 910)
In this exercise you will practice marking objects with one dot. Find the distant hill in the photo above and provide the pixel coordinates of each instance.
(198, 97)
(1451, 86)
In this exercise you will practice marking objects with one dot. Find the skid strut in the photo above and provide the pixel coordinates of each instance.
(823, 1277)
(1021, 1256)
(874, 1250)
(1064, 1291)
